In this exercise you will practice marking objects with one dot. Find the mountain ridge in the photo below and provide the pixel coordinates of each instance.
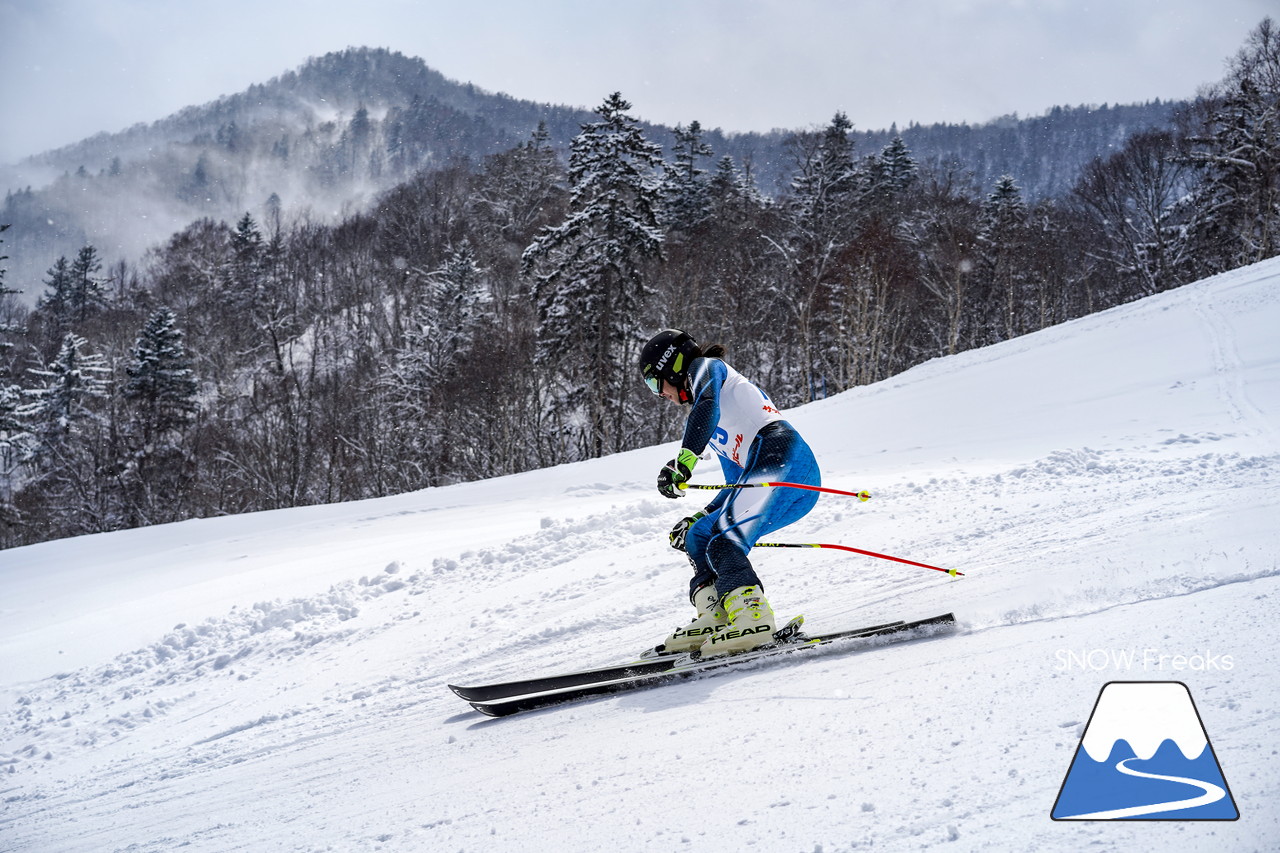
(352, 64)
(327, 138)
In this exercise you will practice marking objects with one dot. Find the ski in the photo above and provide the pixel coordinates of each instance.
(648, 663)
(690, 665)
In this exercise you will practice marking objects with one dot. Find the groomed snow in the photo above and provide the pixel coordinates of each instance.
(277, 681)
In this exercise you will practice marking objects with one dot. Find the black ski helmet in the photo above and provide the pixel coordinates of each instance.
(667, 357)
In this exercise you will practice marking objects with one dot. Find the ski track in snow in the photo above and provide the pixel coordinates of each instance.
(154, 680)
(333, 705)
(171, 682)
(1229, 369)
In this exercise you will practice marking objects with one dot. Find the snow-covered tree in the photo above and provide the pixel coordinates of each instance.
(75, 292)
(4, 290)
(824, 186)
(445, 321)
(518, 189)
(426, 384)
(1002, 243)
(685, 185)
(56, 302)
(730, 191)
(1235, 211)
(88, 289)
(821, 213)
(14, 447)
(244, 268)
(151, 483)
(589, 272)
(889, 174)
(14, 435)
(13, 432)
(70, 457)
(1132, 199)
(944, 234)
(69, 390)
(161, 384)
(857, 316)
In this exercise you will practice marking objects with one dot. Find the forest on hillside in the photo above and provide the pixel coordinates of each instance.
(483, 317)
(324, 141)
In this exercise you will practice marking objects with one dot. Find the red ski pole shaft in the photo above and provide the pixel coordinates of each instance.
(862, 496)
(951, 572)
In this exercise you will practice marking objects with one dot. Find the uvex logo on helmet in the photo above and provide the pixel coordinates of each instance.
(662, 359)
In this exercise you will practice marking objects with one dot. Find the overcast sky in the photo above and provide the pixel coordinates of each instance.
(72, 68)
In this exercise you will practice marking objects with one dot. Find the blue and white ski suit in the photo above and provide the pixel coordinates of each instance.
(741, 425)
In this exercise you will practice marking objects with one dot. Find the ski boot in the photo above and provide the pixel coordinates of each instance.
(751, 623)
(710, 619)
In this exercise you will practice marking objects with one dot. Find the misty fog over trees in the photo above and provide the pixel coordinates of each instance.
(481, 315)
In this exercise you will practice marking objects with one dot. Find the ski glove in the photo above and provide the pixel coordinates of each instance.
(676, 472)
(681, 530)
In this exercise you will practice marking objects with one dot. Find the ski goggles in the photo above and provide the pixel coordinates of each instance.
(653, 380)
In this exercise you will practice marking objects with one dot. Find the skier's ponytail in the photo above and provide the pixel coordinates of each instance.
(715, 351)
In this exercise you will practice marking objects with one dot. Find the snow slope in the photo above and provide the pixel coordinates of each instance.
(277, 681)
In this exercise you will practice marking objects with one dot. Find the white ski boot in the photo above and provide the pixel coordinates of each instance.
(710, 619)
(751, 623)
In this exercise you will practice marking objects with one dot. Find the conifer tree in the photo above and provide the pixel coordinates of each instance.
(88, 292)
(244, 269)
(730, 191)
(56, 303)
(736, 262)
(685, 185)
(889, 174)
(1002, 242)
(589, 272)
(70, 387)
(521, 190)
(153, 483)
(442, 333)
(70, 456)
(13, 432)
(161, 384)
(425, 386)
(1235, 211)
(4, 291)
(825, 183)
(821, 214)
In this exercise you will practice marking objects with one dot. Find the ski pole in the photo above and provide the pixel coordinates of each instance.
(951, 572)
(862, 496)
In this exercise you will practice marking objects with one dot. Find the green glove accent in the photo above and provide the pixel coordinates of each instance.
(675, 473)
(681, 530)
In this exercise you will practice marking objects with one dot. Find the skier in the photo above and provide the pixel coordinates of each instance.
(741, 425)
